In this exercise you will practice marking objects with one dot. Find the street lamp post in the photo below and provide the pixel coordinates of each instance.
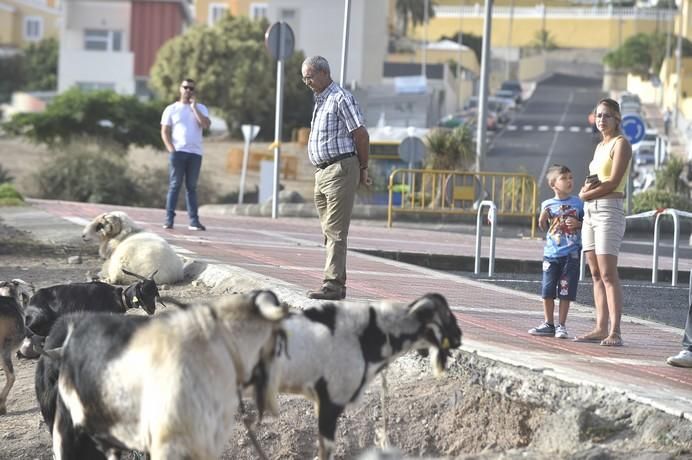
(483, 90)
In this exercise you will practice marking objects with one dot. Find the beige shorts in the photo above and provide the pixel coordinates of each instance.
(604, 225)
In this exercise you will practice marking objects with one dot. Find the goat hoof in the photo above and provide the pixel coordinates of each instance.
(3, 410)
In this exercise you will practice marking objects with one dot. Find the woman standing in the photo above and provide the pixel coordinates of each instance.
(604, 222)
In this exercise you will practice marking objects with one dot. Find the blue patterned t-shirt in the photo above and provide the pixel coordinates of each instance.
(560, 240)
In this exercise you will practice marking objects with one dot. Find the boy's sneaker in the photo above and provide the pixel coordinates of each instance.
(545, 329)
(560, 332)
(197, 227)
(682, 359)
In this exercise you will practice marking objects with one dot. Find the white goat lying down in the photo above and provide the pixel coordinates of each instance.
(14, 295)
(335, 350)
(169, 384)
(125, 245)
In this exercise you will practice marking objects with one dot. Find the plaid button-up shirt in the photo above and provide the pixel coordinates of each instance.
(335, 115)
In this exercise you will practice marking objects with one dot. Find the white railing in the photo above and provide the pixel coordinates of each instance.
(676, 241)
(675, 214)
(540, 11)
(492, 217)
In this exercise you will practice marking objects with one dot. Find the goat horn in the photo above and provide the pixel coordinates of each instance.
(269, 306)
(140, 277)
(151, 277)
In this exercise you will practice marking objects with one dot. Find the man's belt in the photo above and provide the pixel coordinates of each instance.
(335, 159)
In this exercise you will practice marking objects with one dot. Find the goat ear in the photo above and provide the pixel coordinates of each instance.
(269, 306)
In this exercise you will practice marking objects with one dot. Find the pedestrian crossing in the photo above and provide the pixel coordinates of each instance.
(547, 128)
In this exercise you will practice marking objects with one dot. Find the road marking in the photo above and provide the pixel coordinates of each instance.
(77, 220)
(559, 128)
(555, 135)
(574, 129)
(511, 127)
(527, 127)
(543, 128)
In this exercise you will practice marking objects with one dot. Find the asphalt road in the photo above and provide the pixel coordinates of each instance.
(662, 303)
(551, 127)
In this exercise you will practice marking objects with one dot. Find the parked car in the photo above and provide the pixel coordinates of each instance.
(644, 156)
(515, 87)
(647, 143)
(468, 117)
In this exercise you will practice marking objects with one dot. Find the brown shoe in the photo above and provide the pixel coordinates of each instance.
(328, 292)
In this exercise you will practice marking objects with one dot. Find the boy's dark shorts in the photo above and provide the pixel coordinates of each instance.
(560, 277)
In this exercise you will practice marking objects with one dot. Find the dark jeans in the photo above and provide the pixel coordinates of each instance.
(183, 166)
(560, 277)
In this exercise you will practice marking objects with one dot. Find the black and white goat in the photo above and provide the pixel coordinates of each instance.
(49, 303)
(335, 350)
(13, 297)
(167, 385)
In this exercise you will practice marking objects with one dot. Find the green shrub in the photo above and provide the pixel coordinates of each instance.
(88, 173)
(9, 196)
(654, 199)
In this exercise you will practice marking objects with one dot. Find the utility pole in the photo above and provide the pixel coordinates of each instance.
(424, 54)
(344, 42)
(509, 40)
(678, 73)
(483, 91)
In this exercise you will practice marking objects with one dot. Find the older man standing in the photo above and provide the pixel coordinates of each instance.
(338, 148)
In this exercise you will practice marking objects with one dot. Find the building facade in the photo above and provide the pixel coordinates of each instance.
(23, 22)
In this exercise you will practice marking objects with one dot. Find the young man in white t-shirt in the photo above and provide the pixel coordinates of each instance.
(182, 124)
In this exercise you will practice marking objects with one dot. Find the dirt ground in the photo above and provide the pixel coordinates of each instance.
(457, 416)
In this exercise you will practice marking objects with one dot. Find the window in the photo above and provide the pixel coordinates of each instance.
(33, 28)
(94, 86)
(103, 40)
(216, 12)
(258, 11)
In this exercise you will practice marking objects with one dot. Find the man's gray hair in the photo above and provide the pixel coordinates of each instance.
(317, 63)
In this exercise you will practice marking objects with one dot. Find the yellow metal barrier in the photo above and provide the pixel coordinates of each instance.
(456, 192)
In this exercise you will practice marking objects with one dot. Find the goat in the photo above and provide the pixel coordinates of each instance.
(49, 303)
(169, 384)
(335, 350)
(124, 245)
(13, 296)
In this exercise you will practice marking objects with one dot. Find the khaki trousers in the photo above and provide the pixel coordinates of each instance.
(335, 193)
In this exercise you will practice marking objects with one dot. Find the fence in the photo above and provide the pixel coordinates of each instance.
(427, 191)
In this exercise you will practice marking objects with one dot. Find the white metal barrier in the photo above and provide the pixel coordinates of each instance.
(657, 233)
(492, 213)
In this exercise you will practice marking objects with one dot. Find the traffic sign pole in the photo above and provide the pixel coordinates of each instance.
(280, 43)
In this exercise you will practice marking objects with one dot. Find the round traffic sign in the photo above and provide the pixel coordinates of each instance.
(634, 128)
(280, 41)
(412, 149)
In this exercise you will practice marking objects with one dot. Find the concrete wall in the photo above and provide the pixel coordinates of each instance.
(569, 27)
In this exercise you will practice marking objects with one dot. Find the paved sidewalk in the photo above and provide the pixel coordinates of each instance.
(286, 254)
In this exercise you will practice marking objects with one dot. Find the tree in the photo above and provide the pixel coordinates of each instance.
(643, 54)
(33, 69)
(41, 66)
(451, 149)
(103, 116)
(412, 11)
(235, 74)
(475, 42)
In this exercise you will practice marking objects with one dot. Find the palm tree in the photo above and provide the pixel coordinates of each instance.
(451, 149)
(413, 11)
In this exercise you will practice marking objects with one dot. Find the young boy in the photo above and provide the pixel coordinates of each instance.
(561, 216)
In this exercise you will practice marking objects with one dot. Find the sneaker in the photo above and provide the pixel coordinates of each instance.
(168, 226)
(328, 292)
(682, 359)
(561, 332)
(544, 329)
(197, 227)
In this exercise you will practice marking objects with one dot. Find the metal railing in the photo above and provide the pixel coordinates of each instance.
(430, 191)
(540, 11)
(492, 211)
(675, 214)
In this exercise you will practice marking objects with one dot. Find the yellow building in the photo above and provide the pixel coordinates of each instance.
(23, 22)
